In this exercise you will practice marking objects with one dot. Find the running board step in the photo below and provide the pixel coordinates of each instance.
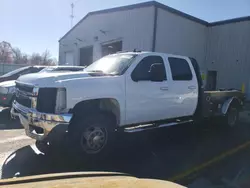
(144, 127)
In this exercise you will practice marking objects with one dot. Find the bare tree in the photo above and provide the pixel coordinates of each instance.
(36, 59)
(10, 55)
(19, 57)
(5, 52)
(42, 59)
(54, 61)
(46, 58)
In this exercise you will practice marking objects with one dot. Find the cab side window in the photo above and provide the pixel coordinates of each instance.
(180, 69)
(142, 70)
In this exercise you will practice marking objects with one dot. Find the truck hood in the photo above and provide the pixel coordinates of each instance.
(85, 180)
(45, 79)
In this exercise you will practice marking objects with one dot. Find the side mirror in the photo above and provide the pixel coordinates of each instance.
(157, 72)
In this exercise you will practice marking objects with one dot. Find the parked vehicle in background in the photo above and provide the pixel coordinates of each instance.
(133, 91)
(7, 83)
(7, 88)
(7, 93)
(63, 69)
(13, 75)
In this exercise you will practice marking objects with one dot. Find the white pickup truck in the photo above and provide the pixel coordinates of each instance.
(132, 91)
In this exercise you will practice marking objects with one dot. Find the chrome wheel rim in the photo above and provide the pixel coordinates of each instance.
(93, 139)
(232, 117)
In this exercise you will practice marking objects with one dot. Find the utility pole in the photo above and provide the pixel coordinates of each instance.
(72, 14)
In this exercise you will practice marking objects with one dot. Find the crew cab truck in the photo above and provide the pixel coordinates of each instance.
(132, 91)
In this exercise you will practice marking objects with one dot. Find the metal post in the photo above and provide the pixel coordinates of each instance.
(72, 13)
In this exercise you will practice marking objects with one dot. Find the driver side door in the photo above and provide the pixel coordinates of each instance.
(146, 100)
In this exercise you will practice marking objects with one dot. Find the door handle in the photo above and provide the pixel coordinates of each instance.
(164, 88)
(191, 87)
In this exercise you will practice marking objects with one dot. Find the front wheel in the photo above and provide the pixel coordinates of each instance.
(92, 135)
(42, 146)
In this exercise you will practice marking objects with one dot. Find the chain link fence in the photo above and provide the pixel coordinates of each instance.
(6, 67)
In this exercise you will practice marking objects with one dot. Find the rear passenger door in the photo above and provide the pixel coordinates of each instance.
(184, 85)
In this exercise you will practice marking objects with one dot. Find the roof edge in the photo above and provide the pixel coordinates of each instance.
(234, 20)
(182, 14)
(164, 7)
(127, 7)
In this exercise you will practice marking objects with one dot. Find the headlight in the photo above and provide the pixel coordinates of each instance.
(3, 90)
(60, 100)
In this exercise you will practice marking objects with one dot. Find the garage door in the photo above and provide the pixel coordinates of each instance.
(69, 58)
(86, 56)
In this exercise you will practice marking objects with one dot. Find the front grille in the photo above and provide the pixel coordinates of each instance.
(23, 93)
(25, 88)
(23, 101)
(46, 100)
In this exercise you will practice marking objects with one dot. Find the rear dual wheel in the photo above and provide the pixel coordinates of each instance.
(232, 116)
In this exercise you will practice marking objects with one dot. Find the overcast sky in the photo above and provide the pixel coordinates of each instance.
(36, 25)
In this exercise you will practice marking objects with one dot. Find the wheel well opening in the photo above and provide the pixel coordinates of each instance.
(109, 105)
(236, 103)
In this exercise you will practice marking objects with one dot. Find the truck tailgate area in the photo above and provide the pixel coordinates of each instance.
(212, 101)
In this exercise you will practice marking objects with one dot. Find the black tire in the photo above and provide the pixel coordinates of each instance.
(49, 148)
(42, 146)
(92, 136)
(232, 117)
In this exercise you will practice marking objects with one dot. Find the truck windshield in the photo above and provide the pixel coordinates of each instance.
(112, 64)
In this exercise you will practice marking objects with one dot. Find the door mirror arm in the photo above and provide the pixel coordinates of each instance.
(157, 72)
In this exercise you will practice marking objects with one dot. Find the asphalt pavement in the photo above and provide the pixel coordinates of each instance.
(12, 136)
(189, 154)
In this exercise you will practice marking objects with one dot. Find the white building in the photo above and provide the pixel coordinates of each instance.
(221, 48)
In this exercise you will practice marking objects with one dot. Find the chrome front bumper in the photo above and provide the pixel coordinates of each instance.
(32, 119)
